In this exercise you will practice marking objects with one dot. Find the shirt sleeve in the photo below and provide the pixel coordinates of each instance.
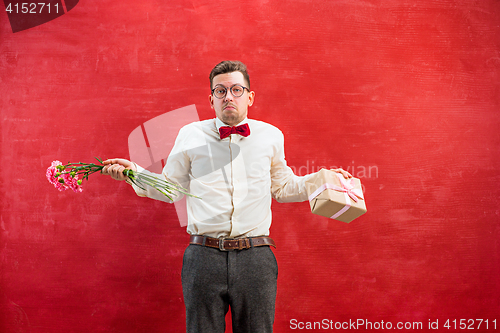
(285, 185)
(176, 171)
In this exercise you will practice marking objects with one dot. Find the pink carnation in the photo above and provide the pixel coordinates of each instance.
(51, 172)
(60, 186)
(62, 179)
(72, 182)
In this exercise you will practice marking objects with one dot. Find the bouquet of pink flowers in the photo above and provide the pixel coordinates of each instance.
(67, 176)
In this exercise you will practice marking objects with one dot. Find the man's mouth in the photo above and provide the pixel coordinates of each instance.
(229, 107)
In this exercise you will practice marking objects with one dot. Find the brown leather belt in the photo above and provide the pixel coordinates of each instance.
(227, 244)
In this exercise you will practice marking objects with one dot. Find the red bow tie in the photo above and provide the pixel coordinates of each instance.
(225, 131)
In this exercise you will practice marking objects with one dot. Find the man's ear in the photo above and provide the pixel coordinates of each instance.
(211, 101)
(251, 98)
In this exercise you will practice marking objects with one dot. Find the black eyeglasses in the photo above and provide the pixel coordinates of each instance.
(236, 89)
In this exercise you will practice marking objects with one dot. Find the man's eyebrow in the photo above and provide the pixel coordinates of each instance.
(223, 86)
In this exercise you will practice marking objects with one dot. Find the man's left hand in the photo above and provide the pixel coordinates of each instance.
(344, 173)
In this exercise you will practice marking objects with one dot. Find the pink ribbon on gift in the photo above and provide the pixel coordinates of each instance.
(346, 187)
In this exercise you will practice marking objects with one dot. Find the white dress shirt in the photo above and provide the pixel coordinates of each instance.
(236, 178)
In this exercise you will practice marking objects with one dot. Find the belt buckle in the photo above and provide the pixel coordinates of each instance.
(221, 244)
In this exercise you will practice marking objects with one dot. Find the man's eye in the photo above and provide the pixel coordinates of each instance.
(237, 90)
(220, 91)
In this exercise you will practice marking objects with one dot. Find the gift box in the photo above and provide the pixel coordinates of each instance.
(333, 196)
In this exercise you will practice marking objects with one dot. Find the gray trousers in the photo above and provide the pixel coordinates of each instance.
(214, 281)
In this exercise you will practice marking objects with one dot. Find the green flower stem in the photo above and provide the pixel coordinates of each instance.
(142, 180)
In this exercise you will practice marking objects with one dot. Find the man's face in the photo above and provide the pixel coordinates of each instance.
(231, 110)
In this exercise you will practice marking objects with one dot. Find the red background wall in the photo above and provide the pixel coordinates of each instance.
(406, 89)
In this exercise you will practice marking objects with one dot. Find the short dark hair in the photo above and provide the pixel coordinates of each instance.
(229, 66)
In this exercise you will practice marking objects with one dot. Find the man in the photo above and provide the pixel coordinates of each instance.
(229, 262)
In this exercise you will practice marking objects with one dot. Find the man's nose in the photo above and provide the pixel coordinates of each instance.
(229, 96)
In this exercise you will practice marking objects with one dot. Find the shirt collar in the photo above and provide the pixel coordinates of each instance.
(219, 123)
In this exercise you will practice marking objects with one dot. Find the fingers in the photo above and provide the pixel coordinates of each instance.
(124, 162)
(114, 167)
(115, 171)
(344, 173)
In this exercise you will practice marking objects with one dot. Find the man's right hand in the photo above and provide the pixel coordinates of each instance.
(114, 167)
